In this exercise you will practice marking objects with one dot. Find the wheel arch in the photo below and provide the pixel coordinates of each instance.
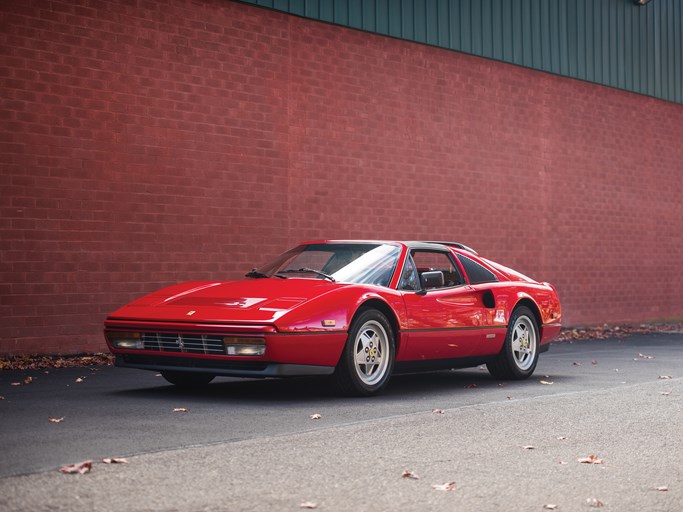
(529, 303)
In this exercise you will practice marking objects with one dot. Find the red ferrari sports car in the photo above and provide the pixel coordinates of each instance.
(357, 311)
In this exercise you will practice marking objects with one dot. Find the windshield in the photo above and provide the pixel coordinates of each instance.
(366, 263)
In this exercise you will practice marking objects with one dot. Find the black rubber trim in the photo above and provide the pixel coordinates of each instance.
(479, 328)
(224, 368)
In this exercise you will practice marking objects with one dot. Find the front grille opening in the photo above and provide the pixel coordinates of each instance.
(185, 343)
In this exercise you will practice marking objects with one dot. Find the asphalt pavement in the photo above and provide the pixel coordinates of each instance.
(252, 444)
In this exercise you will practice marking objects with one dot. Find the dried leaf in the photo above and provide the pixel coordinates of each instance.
(448, 486)
(550, 506)
(662, 488)
(309, 505)
(594, 361)
(471, 386)
(28, 380)
(664, 377)
(55, 420)
(529, 447)
(591, 459)
(547, 382)
(80, 468)
(438, 411)
(409, 474)
(594, 502)
(115, 460)
(180, 409)
(315, 416)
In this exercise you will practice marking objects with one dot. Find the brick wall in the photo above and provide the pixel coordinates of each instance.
(147, 142)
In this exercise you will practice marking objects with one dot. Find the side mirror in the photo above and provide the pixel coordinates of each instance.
(432, 279)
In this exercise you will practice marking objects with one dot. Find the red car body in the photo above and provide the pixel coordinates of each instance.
(299, 323)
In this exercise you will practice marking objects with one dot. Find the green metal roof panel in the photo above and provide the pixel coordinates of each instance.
(610, 42)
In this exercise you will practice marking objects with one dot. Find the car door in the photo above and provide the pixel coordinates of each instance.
(446, 321)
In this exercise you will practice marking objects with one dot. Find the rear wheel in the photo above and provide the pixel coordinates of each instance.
(519, 356)
(367, 361)
(188, 379)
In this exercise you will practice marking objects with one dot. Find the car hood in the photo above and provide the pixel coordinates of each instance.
(246, 301)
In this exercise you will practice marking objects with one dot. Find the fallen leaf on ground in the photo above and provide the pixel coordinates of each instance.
(309, 505)
(409, 474)
(180, 409)
(547, 382)
(81, 468)
(438, 411)
(550, 506)
(665, 393)
(448, 486)
(55, 420)
(591, 459)
(471, 386)
(594, 361)
(28, 380)
(595, 502)
(663, 488)
(529, 447)
(115, 460)
(664, 377)
(315, 416)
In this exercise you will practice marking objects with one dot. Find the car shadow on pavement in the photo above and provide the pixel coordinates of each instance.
(314, 389)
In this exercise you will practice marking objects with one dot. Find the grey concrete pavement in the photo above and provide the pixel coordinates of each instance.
(252, 446)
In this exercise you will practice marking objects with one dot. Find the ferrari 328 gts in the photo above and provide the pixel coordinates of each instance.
(356, 311)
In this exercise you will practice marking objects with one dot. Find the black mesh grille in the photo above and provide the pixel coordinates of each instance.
(189, 343)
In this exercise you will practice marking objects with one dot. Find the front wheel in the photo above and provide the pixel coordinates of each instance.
(188, 379)
(517, 360)
(367, 361)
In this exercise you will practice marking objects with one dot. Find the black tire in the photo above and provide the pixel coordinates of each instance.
(367, 361)
(188, 379)
(518, 357)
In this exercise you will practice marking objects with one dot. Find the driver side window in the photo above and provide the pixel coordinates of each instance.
(429, 261)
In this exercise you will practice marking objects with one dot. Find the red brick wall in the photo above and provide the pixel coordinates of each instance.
(149, 142)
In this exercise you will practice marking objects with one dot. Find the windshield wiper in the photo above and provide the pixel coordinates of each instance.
(255, 273)
(304, 270)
